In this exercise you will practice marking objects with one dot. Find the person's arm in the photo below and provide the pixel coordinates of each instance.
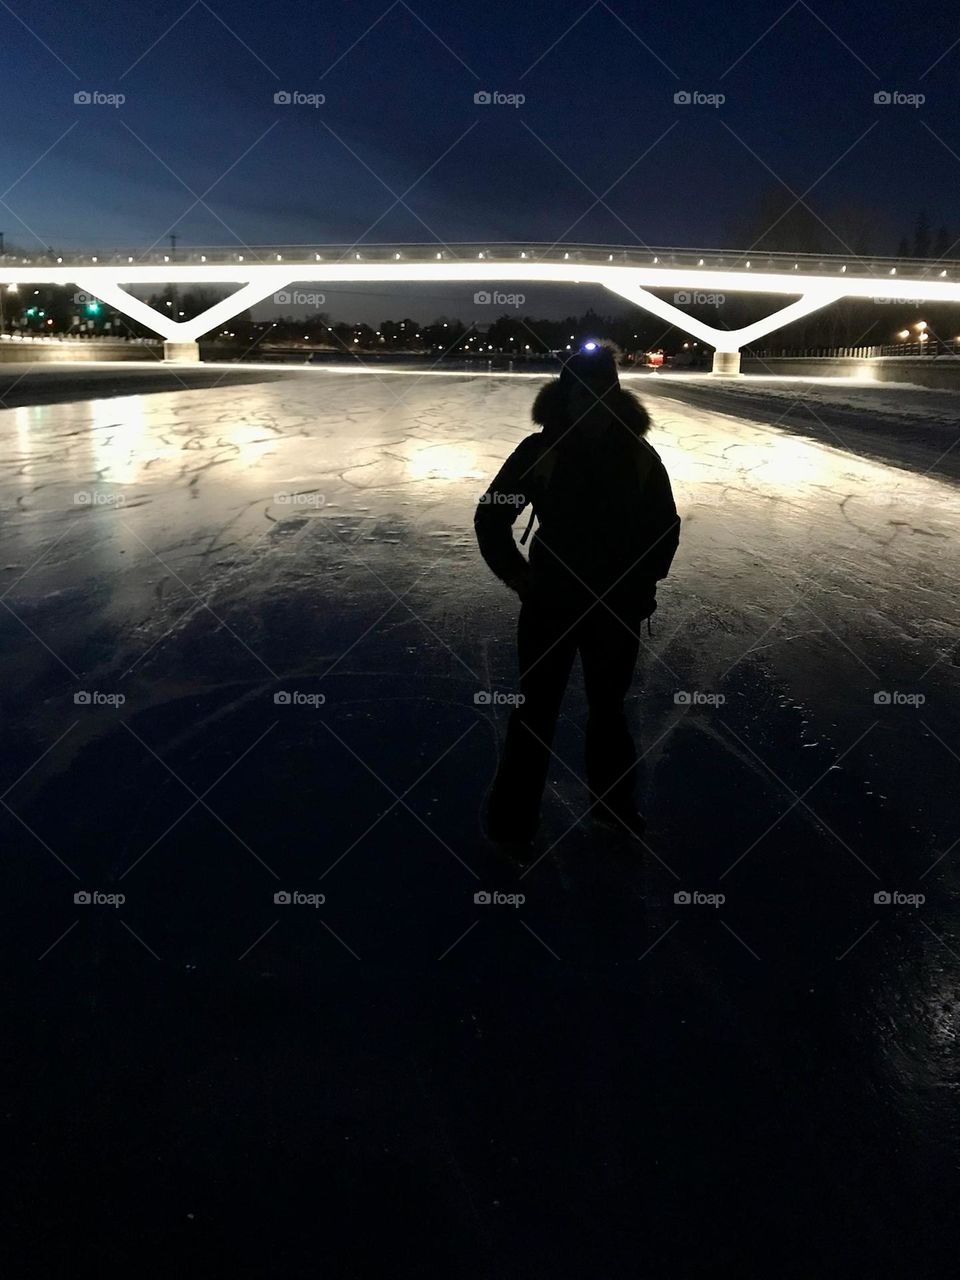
(497, 511)
(664, 523)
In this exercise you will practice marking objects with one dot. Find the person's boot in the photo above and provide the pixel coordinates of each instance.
(504, 825)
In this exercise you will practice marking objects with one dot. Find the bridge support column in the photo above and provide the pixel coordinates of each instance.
(182, 352)
(726, 364)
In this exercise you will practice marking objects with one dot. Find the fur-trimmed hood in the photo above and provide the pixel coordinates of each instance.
(549, 410)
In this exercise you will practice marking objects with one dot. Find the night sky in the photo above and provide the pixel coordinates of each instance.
(399, 151)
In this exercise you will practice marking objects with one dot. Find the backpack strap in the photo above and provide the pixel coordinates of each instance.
(526, 533)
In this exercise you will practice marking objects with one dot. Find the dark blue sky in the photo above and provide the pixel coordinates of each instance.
(400, 114)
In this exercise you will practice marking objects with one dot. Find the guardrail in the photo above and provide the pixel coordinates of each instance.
(507, 251)
(931, 349)
(60, 339)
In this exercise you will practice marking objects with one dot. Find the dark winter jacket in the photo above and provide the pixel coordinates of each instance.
(608, 526)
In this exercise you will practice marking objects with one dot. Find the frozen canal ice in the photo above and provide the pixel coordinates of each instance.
(197, 553)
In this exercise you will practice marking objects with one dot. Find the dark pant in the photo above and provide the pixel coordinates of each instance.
(547, 642)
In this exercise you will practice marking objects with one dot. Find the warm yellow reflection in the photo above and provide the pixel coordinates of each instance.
(445, 462)
(119, 430)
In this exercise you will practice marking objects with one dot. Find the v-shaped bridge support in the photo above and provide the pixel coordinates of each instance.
(258, 281)
(727, 343)
(181, 335)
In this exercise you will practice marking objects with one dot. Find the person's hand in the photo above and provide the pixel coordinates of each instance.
(647, 604)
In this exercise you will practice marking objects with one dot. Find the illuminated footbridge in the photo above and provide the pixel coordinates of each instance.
(813, 281)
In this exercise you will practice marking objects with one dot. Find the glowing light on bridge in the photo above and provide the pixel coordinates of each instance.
(818, 282)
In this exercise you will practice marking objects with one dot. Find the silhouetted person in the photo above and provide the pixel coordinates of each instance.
(608, 531)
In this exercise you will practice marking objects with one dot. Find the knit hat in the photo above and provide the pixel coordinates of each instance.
(592, 364)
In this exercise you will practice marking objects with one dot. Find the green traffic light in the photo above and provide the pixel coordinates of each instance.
(93, 308)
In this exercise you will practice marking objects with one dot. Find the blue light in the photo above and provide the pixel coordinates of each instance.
(590, 346)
